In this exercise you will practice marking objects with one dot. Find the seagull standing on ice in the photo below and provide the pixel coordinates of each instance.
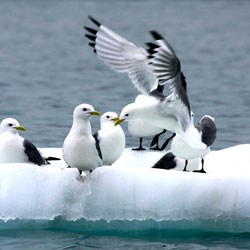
(111, 138)
(181, 149)
(80, 149)
(16, 149)
(124, 56)
(144, 130)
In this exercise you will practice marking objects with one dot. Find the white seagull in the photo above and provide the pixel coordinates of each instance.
(16, 149)
(80, 149)
(144, 130)
(181, 149)
(111, 138)
(170, 112)
(124, 56)
(149, 70)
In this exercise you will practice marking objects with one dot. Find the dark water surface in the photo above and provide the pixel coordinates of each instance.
(41, 239)
(47, 68)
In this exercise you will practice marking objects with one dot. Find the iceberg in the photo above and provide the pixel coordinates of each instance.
(130, 195)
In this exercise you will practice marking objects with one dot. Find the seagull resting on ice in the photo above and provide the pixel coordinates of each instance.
(16, 149)
(80, 149)
(181, 149)
(111, 138)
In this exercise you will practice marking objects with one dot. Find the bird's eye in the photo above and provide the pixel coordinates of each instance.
(84, 109)
(10, 124)
(127, 115)
(107, 116)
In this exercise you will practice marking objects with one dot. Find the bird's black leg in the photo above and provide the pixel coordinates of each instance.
(156, 141)
(164, 145)
(140, 147)
(185, 168)
(202, 167)
(79, 170)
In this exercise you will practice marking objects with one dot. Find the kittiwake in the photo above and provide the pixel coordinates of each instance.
(123, 56)
(170, 112)
(148, 70)
(181, 149)
(111, 138)
(80, 148)
(144, 130)
(14, 148)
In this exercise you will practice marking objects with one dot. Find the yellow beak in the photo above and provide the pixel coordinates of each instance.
(119, 121)
(95, 113)
(21, 128)
(115, 119)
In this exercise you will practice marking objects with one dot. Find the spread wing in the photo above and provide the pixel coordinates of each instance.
(122, 56)
(167, 68)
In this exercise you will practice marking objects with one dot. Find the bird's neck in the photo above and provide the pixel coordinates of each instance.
(82, 126)
(108, 126)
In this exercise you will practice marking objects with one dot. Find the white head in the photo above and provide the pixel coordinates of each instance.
(11, 125)
(84, 112)
(129, 112)
(109, 118)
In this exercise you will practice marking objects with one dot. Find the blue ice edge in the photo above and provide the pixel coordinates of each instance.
(132, 228)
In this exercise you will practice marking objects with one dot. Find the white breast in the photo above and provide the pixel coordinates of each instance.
(112, 144)
(11, 148)
(181, 149)
(80, 152)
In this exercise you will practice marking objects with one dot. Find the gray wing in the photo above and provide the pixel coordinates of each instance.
(122, 56)
(167, 68)
(32, 153)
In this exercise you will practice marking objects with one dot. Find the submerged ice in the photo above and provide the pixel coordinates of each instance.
(130, 190)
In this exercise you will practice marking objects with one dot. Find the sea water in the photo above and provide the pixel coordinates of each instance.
(47, 68)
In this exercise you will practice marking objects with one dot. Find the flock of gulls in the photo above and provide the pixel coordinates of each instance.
(152, 114)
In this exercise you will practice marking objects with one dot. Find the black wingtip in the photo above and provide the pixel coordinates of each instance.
(90, 37)
(94, 21)
(152, 45)
(151, 49)
(156, 35)
(90, 30)
(93, 46)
